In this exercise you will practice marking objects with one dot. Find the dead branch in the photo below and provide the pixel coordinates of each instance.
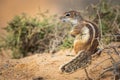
(114, 68)
(99, 63)
(88, 78)
(110, 68)
(116, 51)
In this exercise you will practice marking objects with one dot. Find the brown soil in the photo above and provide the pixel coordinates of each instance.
(46, 67)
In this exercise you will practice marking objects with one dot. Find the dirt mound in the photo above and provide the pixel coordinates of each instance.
(46, 67)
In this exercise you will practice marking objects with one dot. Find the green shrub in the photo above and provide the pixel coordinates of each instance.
(110, 17)
(67, 43)
(34, 35)
(24, 33)
(107, 17)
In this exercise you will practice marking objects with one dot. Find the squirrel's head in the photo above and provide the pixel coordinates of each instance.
(71, 16)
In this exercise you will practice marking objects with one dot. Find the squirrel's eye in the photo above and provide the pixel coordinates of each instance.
(68, 14)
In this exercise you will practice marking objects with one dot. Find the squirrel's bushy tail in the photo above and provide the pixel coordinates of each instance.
(80, 61)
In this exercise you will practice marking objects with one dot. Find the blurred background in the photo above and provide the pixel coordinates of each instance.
(32, 26)
(10, 8)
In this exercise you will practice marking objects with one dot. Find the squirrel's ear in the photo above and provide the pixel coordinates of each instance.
(78, 15)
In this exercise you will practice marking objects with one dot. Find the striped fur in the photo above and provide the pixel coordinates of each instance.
(85, 43)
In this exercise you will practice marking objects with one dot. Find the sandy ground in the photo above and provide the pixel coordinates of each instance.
(46, 67)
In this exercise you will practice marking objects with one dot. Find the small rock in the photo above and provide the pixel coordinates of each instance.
(38, 78)
(0, 73)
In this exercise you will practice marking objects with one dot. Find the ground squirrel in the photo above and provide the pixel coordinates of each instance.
(86, 41)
